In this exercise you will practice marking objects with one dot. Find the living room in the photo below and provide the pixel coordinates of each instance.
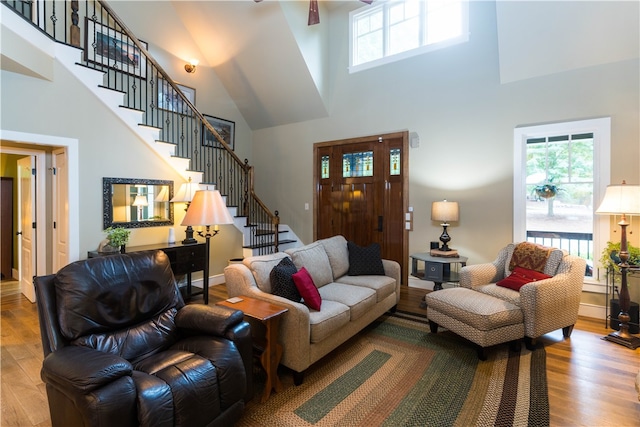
(464, 103)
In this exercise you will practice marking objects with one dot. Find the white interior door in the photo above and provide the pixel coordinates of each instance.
(27, 215)
(60, 196)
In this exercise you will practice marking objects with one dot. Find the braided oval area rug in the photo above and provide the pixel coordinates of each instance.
(396, 373)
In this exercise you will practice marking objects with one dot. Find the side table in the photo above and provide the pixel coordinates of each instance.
(437, 269)
(269, 314)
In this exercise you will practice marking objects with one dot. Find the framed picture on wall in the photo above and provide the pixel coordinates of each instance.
(225, 128)
(170, 100)
(111, 48)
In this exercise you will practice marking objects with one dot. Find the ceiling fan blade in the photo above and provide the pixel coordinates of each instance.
(314, 15)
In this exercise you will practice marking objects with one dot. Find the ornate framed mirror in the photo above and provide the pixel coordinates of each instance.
(136, 203)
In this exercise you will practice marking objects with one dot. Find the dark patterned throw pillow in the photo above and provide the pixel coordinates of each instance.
(282, 280)
(365, 260)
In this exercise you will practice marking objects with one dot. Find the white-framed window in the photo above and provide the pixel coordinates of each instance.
(394, 30)
(573, 159)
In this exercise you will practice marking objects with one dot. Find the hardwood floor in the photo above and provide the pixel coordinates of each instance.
(591, 381)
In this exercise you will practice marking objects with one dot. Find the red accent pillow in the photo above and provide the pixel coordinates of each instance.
(520, 277)
(307, 289)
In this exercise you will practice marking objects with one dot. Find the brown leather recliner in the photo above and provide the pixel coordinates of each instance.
(121, 347)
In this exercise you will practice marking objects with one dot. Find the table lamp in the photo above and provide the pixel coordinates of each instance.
(622, 200)
(446, 212)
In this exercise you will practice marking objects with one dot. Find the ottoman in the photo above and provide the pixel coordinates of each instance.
(483, 319)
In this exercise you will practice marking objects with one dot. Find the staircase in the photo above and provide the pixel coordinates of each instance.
(119, 70)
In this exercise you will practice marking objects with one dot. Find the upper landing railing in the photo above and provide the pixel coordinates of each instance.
(110, 47)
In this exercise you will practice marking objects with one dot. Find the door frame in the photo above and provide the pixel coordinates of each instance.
(34, 159)
(27, 143)
(60, 224)
(404, 135)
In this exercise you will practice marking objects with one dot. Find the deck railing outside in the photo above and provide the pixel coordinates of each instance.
(578, 244)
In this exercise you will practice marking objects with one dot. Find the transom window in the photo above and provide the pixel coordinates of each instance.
(395, 30)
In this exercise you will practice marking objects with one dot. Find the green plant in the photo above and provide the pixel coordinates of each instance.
(117, 236)
(609, 257)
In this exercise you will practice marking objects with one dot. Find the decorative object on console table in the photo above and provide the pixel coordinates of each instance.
(185, 195)
(445, 212)
(117, 238)
(207, 209)
(622, 200)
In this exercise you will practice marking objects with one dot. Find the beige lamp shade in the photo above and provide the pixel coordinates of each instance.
(163, 195)
(185, 193)
(445, 211)
(207, 208)
(620, 199)
(140, 200)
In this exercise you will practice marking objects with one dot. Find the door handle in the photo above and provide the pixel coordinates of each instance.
(380, 222)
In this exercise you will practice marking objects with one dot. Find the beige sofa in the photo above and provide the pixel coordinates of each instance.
(349, 303)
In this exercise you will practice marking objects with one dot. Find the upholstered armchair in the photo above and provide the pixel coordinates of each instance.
(122, 349)
(548, 303)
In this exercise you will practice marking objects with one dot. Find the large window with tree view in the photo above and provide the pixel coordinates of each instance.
(561, 172)
(560, 190)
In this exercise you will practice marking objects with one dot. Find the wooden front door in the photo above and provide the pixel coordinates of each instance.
(362, 192)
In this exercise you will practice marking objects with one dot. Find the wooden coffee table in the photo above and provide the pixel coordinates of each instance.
(269, 314)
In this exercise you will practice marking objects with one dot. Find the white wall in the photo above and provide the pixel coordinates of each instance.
(107, 148)
(465, 118)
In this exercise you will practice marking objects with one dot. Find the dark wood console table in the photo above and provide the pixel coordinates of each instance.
(185, 259)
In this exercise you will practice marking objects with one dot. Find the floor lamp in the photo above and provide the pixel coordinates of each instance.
(622, 200)
(207, 209)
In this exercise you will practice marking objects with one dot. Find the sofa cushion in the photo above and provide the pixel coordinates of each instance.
(528, 255)
(314, 258)
(383, 285)
(338, 254)
(365, 260)
(261, 267)
(329, 321)
(282, 283)
(359, 299)
(307, 289)
(520, 277)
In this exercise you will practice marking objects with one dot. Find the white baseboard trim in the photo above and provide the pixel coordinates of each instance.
(592, 310)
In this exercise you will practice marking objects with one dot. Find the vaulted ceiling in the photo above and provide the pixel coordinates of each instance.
(276, 68)
(271, 63)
